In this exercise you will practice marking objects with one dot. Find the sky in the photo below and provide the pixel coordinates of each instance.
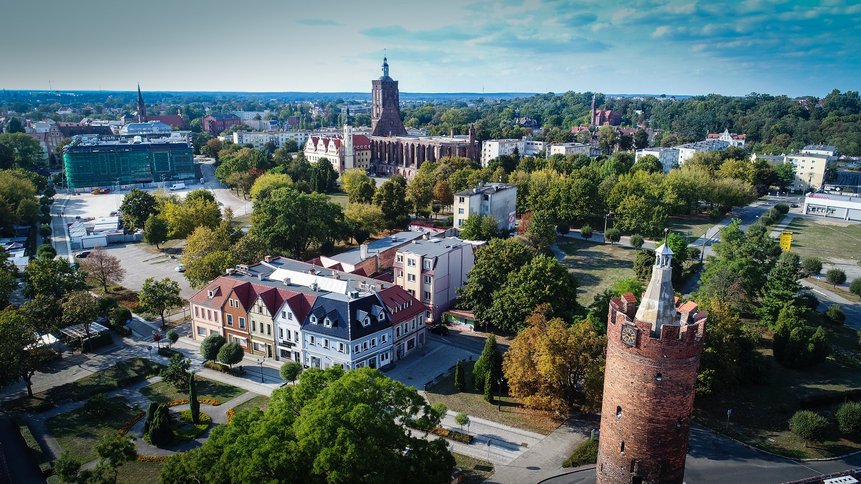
(635, 46)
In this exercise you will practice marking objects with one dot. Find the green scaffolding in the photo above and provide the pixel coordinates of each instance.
(107, 165)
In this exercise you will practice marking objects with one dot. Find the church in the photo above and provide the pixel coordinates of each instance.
(395, 152)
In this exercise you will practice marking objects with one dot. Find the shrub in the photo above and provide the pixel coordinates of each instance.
(835, 314)
(782, 208)
(835, 276)
(172, 337)
(586, 231)
(98, 406)
(563, 228)
(811, 265)
(290, 370)
(452, 434)
(192, 400)
(231, 354)
(461, 419)
(459, 375)
(45, 231)
(584, 454)
(694, 253)
(637, 241)
(807, 425)
(160, 428)
(168, 352)
(46, 251)
(210, 346)
(612, 235)
(119, 315)
(807, 300)
(177, 372)
(848, 418)
(855, 287)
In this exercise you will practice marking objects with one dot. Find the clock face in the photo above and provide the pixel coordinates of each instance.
(629, 335)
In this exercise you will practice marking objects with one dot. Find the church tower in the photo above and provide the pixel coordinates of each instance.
(385, 106)
(141, 107)
(653, 353)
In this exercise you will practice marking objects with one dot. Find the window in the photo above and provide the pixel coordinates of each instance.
(622, 448)
(325, 343)
(341, 347)
(297, 336)
(427, 296)
(400, 258)
(365, 346)
(384, 357)
(381, 316)
(412, 292)
(195, 312)
(242, 322)
(283, 314)
(281, 333)
(427, 279)
(230, 320)
(356, 349)
(374, 343)
(427, 315)
(312, 340)
(411, 262)
(460, 211)
(411, 343)
(268, 329)
(413, 324)
(327, 322)
(290, 316)
(460, 199)
(313, 319)
(253, 325)
(384, 338)
(428, 263)
(366, 322)
(618, 412)
(411, 277)
(209, 315)
(659, 377)
(398, 332)
(201, 331)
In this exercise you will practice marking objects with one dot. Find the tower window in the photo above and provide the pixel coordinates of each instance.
(622, 448)
(659, 377)
(618, 412)
(678, 423)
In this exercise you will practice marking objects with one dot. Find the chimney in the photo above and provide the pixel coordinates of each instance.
(259, 277)
(286, 281)
(267, 258)
(315, 286)
(363, 251)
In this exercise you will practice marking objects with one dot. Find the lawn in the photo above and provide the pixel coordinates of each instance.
(694, 224)
(165, 391)
(136, 472)
(260, 401)
(339, 198)
(471, 402)
(77, 431)
(761, 412)
(474, 470)
(597, 266)
(831, 240)
(839, 290)
(119, 375)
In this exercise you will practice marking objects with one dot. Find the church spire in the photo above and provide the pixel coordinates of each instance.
(658, 305)
(385, 66)
(141, 106)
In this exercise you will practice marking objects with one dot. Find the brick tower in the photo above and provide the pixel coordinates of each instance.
(653, 353)
(385, 106)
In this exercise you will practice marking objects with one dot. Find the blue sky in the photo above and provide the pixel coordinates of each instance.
(638, 46)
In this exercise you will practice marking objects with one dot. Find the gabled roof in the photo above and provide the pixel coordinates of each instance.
(396, 296)
(220, 287)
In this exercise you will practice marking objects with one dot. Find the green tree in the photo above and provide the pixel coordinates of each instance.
(52, 277)
(46, 251)
(192, 399)
(249, 249)
(207, 254)
(607, 139)
(114, 450)
(730, 357)
(137, 207)
(612, 235)
(176, 372)
(459, 376)
(488, 387)
(183, 217)
(784, 175)
(310, 432)
(172, 337)
(159, 296)
(443, 194)
(586, 231)
(231, 354)
(210, 346)
(290, 371)
(291, 221)
(358, 186)
(67, 467)
(835, 314)
(812, 265)
(855, 287)
(848, 417)
(15, 126)
(488, 365)
(641, 139)
(364, 220)
(391, 196)
(493, 265)
(420, 193)
(8, 279)
(835, 276)
(797, 345)
(637, 241)
(80, 307)
(161, 427)
(155, 230)
(267, 182)
(27, 151)
(809, 426)
(781, 287)
(541, 231)
(322, 177)
(479, 227)
(18, 339)
(461, 419)
(649, 164)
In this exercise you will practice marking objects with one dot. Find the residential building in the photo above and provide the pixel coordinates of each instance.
(810, 169)
(207, 315)
(289, 320)
(407, 319)
(496, 199)
(669, 157)
(259, 139)
(733, 139)
(261, 319)
(47, 133)
(104, 161)
(433, 270)
(371, 257)
(566, 149)
(841, 207)
(494, 148)
(824, 150)
(217, 123)
(688, 150)
(345, 151)
(235, 311)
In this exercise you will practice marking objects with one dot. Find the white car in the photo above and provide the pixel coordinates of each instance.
(179, 268)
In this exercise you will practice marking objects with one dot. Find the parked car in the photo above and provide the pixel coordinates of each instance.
(177, 186)
(83, 254)
(179, 268)
(794, 205)
(439, 329)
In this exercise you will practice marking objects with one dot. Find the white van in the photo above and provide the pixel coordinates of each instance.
(177, 186)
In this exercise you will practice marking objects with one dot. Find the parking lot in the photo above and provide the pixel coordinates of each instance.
(141, 261)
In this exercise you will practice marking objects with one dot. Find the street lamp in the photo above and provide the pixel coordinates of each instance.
(499, 400)
(260, 363)
(609, 214)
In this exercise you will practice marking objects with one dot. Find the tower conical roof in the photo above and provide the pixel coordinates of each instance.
(658, 305)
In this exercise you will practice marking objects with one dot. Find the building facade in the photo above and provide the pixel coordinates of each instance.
(653, 353)
(496, 199)
(259, 139)
(94, 161)
(371, 257)
(494, 148)
(217, 123)
(408, 321)
(733, 139)
(566, 149)
(433, 270)
(345, 151)
(688, 150)
(669, 157)
(840, 207)
(385, 106)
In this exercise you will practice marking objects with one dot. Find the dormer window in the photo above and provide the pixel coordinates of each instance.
(327, 322)
(313, 319)
(210, 293)
(381, 317)
(366, 322)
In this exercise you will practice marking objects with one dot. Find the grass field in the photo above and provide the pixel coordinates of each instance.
(339, 198)
(471, 402)
(77, 431)
(695, 224)
(121, 374)
(825, 240)
(474, 470)
(597, 266)
(260, 401)
(165, 392)
(761, 412)
(139, 472)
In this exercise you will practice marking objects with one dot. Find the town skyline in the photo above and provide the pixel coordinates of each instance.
(530, 46)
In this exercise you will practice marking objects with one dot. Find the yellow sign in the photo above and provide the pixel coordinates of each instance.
(786, 240)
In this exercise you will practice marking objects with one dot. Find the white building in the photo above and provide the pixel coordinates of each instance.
(669, 157)
(824, 150)
(688, 150)
(346, 151)
(494, 148)
(259, 139)
(496, 199)
(733, 139)
(833, 206)
(433, 270)
(810, 165)
(566, 149)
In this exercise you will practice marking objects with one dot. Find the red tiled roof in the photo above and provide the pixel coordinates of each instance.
(688, 307)
(629, 297)
(394, 295)
(221, 287)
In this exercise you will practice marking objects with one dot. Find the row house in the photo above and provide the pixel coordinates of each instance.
(407, 318)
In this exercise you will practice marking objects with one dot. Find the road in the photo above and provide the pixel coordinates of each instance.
(225, 197)
(715, 458)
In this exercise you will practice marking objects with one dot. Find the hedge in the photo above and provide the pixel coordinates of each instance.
(585, 453)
